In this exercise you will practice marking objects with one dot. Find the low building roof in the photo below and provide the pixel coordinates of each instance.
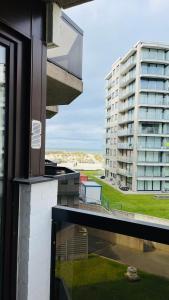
(91, 183)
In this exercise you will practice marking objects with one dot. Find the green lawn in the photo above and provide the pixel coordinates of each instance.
(140, 203)
(102, 279)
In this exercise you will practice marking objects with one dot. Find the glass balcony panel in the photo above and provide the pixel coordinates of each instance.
(96, 264)
(70, 42)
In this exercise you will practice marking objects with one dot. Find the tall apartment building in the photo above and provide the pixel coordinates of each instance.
(137, 119)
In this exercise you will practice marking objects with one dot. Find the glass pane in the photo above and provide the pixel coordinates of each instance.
(2, 132)
(94, 264)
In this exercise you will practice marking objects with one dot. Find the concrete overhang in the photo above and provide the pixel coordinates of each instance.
(69, 3)
(62, 87)
(51, 111)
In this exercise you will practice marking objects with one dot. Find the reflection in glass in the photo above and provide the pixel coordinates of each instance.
(93, 264)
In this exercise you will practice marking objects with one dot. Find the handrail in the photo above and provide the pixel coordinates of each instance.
(121, 225)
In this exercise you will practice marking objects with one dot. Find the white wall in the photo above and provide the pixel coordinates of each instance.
(34, 241)
(93, 194)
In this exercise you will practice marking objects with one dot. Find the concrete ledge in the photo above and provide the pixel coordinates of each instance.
(62, 87)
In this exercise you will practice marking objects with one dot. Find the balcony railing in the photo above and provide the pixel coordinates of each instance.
(153, 163)
(126, 94)
(64, 59)
(126, 120)
(126, 107)
(124, 172)
(131, 62)
(158, 104)
(156, 132)
(125, 132)
(127, 80)
(155, 147)
(126, 159)
(154, 118)
(92, 252)
(125, 146)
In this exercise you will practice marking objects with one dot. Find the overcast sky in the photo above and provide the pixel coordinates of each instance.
(111, 28)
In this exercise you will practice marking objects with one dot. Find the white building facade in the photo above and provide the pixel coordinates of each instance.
(137, 119)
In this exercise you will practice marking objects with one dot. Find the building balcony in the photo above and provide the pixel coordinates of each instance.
(153, 133)
(108, 125)
(163, 104)
(64, 60)
(127, 81)
(108, 94)
(126, 120)
(124, 172)
(145, 163)
(108, 134)
(152, 148)
(153, 178)
(160, 76)
(126, 94)
(92, 251)
(108, 114)
(108, 105)
(125, 146)
(126, 159)
(125, 132)
(128, 66)
(51, 111)
(147, 90)
(153, 119)
(123, 108)
(151, 60)
(109, 85)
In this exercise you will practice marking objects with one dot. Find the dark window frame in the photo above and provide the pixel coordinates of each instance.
(14, 44)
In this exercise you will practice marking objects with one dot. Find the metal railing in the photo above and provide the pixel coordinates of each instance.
(63, 220)
(125, 146)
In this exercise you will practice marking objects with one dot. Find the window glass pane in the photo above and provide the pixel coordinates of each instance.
(140, 185)
(167, 55)
(140, 171)
(152, 69)
(141, 156)
(160, 54)
(144, 84)
(144, 68)
(145, 53)
(153, 54)
(156, 185)
(159, 85)
(143, 98)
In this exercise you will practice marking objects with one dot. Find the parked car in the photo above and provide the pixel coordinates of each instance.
(124, 188)
(102, 177)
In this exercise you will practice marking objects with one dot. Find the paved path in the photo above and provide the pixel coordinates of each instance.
(155, 262)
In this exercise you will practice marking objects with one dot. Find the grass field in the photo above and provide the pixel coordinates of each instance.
(138, 203)
(103, 279)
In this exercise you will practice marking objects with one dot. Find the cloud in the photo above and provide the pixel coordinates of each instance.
(157, 6)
